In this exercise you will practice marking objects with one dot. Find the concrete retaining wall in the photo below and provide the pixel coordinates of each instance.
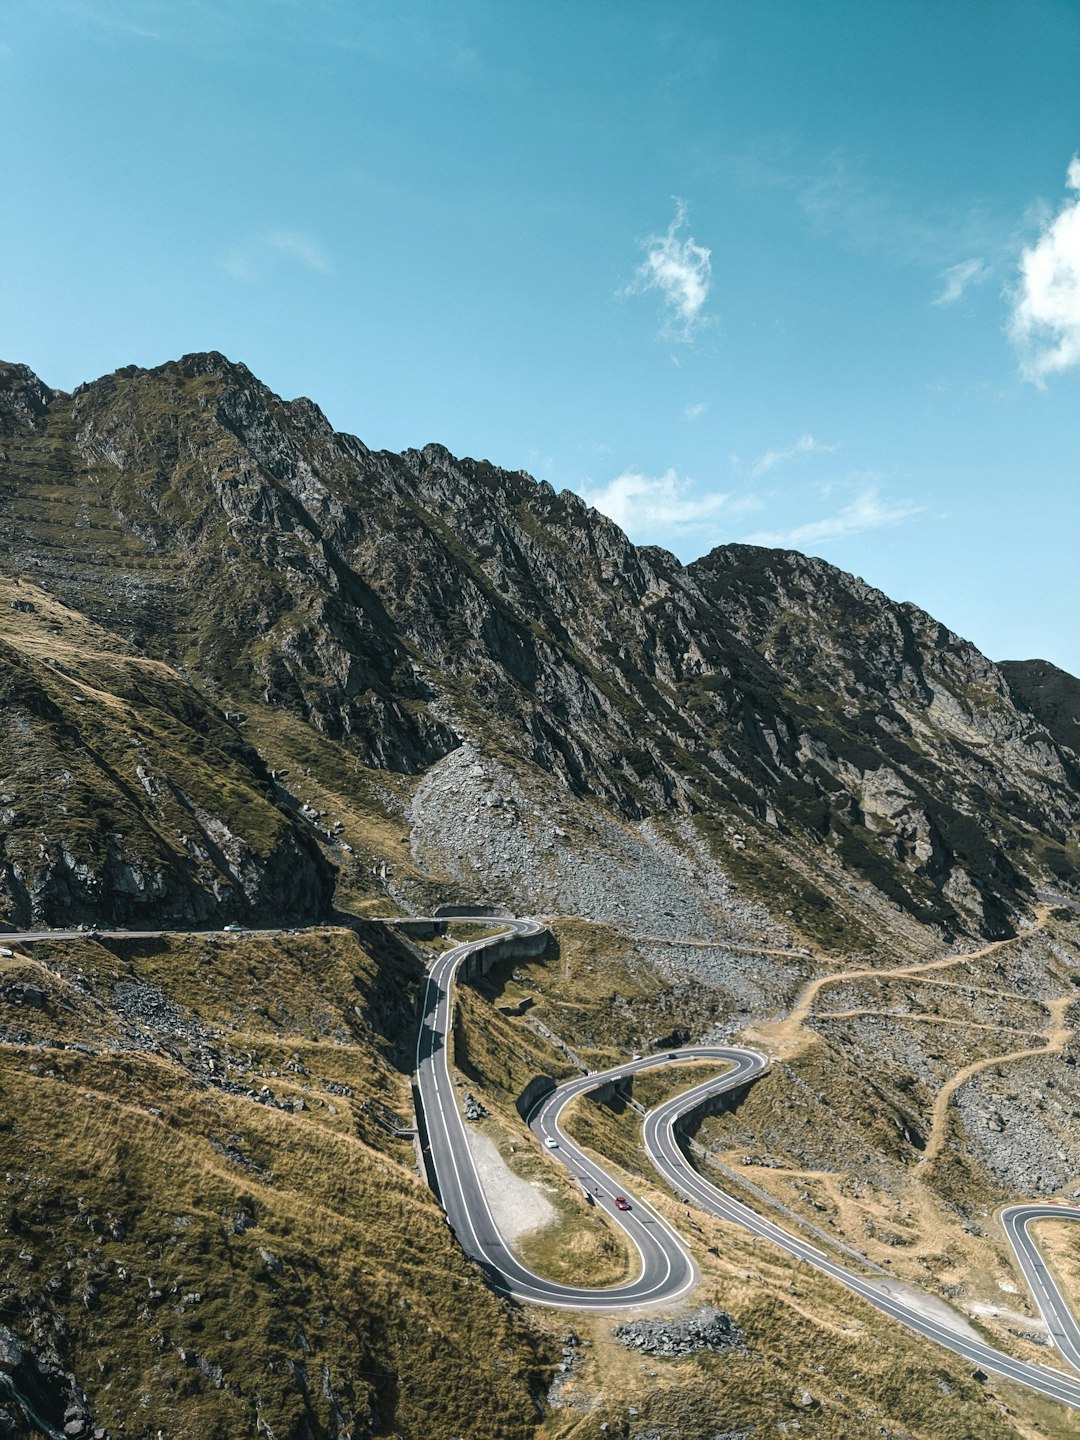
(423, 1144)
(459, 912)
(538, 1088)
(504, 947)
(722, 1104)
(613, 1090)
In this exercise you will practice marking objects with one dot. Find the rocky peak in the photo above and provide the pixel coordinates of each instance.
(24, 399)
(402, 603)
(808, 617)
(1050, 694)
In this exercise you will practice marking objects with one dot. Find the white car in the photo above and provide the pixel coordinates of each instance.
(6, 954)
(550, 1143)
(232, 929)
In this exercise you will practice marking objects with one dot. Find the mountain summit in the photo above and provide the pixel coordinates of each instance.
(825, 744)
(259, 680)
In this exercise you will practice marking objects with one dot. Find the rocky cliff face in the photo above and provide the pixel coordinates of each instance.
(1052, 696)
(401, 604)
(125, 798)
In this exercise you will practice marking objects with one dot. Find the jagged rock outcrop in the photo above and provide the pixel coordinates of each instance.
(402, 603)
(38, 1397)
(1052, 696)
(705, 1329)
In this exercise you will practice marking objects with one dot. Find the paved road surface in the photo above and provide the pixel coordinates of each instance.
(99, 932)
(666, 1267)
(667, 1271)
(1053, 1306)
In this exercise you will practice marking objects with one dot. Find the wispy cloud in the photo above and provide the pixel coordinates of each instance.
(404, 37)
(869, 216)
(681, 269)
(805, 445)
(1045, 321)
(959, 278)
(256, 258)
(111, 15)
(694, 412)
(645, 505)
(867, 511)
(841, 199)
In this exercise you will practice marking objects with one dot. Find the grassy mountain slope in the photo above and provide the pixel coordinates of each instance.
(251, 669)
(207, 1230)
(124, 796)
(205, 1220)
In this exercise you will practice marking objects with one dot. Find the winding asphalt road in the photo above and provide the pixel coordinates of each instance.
(666, 1266)
(667, 1270)
(1054, 1308)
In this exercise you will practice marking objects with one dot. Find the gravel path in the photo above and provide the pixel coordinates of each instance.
(929, 1306)
(517, 1205)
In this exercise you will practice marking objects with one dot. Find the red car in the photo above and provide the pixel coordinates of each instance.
(621, 1202)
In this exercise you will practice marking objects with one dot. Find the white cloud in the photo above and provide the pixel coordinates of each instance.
(868, 511)
(805, 445)
(1045, 321)
(958, 278)
(693, 412)
(301, 248)
(645, 504)
(255, 259)
(682, 271)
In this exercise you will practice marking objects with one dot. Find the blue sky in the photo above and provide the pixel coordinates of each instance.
(802, 274)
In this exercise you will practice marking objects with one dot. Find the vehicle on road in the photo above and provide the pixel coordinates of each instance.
(232, 928)
(550, 1143)
(667, 1266)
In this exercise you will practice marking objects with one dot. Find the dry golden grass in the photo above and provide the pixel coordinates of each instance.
(128, 1170)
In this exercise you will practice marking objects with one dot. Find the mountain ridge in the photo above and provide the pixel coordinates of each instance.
(400, 604)
(251, 669)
